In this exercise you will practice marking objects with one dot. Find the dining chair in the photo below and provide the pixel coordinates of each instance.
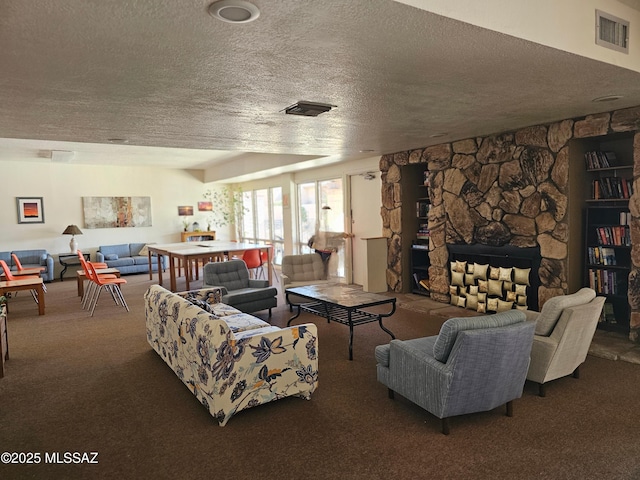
(20, 268)
(91, 287)
(10, 277)
(112, 285)
(253, 260)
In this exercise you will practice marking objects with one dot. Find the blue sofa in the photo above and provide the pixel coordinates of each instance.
(126, 257)
(31, 259)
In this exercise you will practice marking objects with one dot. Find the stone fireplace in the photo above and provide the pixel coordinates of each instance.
(515, 189)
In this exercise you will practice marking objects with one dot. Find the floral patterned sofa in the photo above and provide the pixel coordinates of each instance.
(228, 359)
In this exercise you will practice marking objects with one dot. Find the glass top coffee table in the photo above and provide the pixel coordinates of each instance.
(342, 304)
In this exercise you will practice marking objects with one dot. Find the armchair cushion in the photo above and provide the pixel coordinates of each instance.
(449, 330)
(552, 309)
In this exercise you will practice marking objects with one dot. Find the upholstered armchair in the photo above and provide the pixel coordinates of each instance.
(564, 329)
(473, 365)
(238, 290)
(301, 270)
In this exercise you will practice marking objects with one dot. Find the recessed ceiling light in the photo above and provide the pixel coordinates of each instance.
(607, 98)
(234, 11)
(437, 135)
(117, 140)
(366, 151)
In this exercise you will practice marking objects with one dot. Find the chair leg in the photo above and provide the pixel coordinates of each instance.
(510, 408)
(576, 372)
(269, 313)
(391, 394)
(541, 390)
(445, 426)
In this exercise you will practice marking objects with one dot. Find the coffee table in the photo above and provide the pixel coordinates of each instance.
(342, 304)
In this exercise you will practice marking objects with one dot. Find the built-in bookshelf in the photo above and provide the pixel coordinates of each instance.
(607, 250)
(420, 247)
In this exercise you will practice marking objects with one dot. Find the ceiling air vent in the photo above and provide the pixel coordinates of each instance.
(612, 32)
(308, 109)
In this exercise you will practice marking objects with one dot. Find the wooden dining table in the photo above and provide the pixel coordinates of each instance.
(36, 284)
(189, 252)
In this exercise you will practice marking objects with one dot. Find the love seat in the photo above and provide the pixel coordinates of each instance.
(229, 360)
(127, 258)
(32, 259)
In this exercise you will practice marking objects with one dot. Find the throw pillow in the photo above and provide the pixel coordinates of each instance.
(521, 275)
(482, 307)
(504, 274)
(457, 278)
(502, 305)
(111, 256)
(494, 273)
(495, 287)
(492, 304)
(521, 289)
(472, 302)
(480, 271)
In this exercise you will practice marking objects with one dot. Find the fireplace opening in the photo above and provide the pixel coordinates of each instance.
(515, 259)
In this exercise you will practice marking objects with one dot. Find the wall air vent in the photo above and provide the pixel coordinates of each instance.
(308, 109)
(612, 32)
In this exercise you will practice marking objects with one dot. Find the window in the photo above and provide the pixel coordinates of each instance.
(262, 222)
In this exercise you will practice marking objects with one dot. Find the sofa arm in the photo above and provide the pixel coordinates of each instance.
(48, 262)
(285, 279)
(258, 283)
(210, 295)
(272, 364)
(99, 257)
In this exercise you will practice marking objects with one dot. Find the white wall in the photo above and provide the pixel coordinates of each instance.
(62, 187)
(567, 25)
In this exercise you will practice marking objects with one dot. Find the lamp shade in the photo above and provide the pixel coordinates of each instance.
(72, 230)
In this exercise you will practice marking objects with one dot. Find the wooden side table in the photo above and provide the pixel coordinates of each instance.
(67, 259)
(4, 339)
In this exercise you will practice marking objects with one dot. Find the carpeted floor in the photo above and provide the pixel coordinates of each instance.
(81, 384)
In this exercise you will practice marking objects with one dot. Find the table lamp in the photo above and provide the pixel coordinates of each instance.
(72, 230)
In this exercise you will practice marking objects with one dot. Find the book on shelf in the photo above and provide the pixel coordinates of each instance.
(615, 235)
(603, 281)
(597, 159)
(424, 283)
(611, 188)
(601, 256)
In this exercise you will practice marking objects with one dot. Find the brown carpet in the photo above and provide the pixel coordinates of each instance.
(81, 384)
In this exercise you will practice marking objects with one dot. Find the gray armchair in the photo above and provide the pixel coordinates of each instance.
(302, 270)
(238, 290)
(473, 365)
(564, 329)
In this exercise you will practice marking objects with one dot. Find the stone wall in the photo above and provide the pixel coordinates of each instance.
(505, 189)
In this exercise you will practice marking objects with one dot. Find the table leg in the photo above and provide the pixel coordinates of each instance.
(160, 262)
(350, 335)
(172, 273)
(63, 272)
(187, 273)
(292, 305)
(80, 280)
(150, 267)
(40, 291)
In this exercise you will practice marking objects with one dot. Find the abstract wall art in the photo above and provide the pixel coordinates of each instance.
(116, 212)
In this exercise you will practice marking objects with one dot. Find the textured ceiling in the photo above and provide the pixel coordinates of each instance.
(164, 73)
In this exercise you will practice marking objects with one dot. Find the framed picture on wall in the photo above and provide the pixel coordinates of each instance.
(30, 209)
(205, 206)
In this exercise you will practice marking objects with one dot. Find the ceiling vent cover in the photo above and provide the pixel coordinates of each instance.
(308, 109)
(612, 32)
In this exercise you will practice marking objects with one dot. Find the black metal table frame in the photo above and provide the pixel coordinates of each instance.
(350, 316)
(66, 264)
